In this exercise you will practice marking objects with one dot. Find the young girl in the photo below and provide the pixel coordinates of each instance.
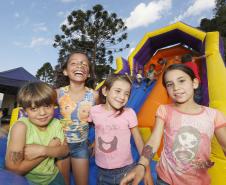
(75, 101)
(34, 142)
(114, 125)
(188, 129)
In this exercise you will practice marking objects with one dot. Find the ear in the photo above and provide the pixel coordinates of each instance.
(104, 91)
(195, 83)
(65, 72)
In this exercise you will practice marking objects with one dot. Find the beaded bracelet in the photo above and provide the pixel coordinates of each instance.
(142, 165)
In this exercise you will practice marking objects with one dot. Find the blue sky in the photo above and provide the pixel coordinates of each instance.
(28, 27)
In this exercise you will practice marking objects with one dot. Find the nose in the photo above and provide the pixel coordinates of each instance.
(42, 110)
(175, 87)
(122, 96)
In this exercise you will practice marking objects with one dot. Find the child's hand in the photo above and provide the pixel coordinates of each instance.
(33, 151)
(54, 142)
(198, 164)
(148, 178)
(134, 176)
(92, 149)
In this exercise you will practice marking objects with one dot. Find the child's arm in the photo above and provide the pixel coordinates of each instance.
(203, 56)
(147, 154)
(221, 137)
(54, 149)
(153, 142)
(220, 130)
(137, 139)
(140, 144)
(15, 160)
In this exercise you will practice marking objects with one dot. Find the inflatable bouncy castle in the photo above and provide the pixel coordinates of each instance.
(168, 43)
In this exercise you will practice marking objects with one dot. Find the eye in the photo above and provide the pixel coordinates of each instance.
(33, 109)
(118, 91)
(84, 65)
(127, 94)
(182, 81)
(169, 84)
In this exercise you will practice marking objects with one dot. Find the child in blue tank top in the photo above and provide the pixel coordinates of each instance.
(75, 101)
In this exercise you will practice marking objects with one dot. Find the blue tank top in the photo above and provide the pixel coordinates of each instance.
(74, 116)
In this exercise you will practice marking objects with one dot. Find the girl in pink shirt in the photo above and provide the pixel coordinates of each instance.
(188, 129)
(114, 125)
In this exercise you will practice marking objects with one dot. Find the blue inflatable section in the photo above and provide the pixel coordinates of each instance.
(139, 94)
(9, 178)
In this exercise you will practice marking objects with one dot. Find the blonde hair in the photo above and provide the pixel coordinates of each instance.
(36, 94)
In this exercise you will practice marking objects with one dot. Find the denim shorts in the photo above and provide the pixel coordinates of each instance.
(112, 176)
(79, 150)
(160, 181)
(59, 180)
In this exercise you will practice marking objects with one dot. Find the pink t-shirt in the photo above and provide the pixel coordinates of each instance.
(187, 142)
(112, 136)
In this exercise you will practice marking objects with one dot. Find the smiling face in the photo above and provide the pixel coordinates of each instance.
(40, 116)
(77, 68)
(117, 96)
(180, 86)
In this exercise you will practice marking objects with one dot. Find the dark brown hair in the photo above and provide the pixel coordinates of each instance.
(62, 80)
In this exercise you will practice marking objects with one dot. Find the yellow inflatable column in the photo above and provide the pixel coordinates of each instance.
(14, 116)
(216, 74)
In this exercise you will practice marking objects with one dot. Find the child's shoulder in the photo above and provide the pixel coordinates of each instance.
(97, 108)
(129, 110)
(209, 109)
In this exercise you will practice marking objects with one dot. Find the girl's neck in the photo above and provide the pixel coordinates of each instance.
(188, 107)
(109, 108)
(77, 87)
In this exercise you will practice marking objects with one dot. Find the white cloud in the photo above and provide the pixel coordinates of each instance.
(23, 23)
(60, 14)
(16, 14)
(39, 41)
(39, 27)
(143, 14)
(67, 1)
(35, 42)
(197, 8)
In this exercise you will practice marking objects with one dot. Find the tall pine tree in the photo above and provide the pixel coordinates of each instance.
(95, 31)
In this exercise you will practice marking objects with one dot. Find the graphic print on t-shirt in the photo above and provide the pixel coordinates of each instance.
(185, 146)
(107, 146)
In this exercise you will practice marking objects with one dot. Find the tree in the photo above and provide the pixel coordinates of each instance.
(95, 31)
(219, 5)
(46, 73)
(218, 23)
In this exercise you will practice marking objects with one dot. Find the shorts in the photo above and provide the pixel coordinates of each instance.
(160, 181)
(79, 150)
(58, 180)
(112, 176)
